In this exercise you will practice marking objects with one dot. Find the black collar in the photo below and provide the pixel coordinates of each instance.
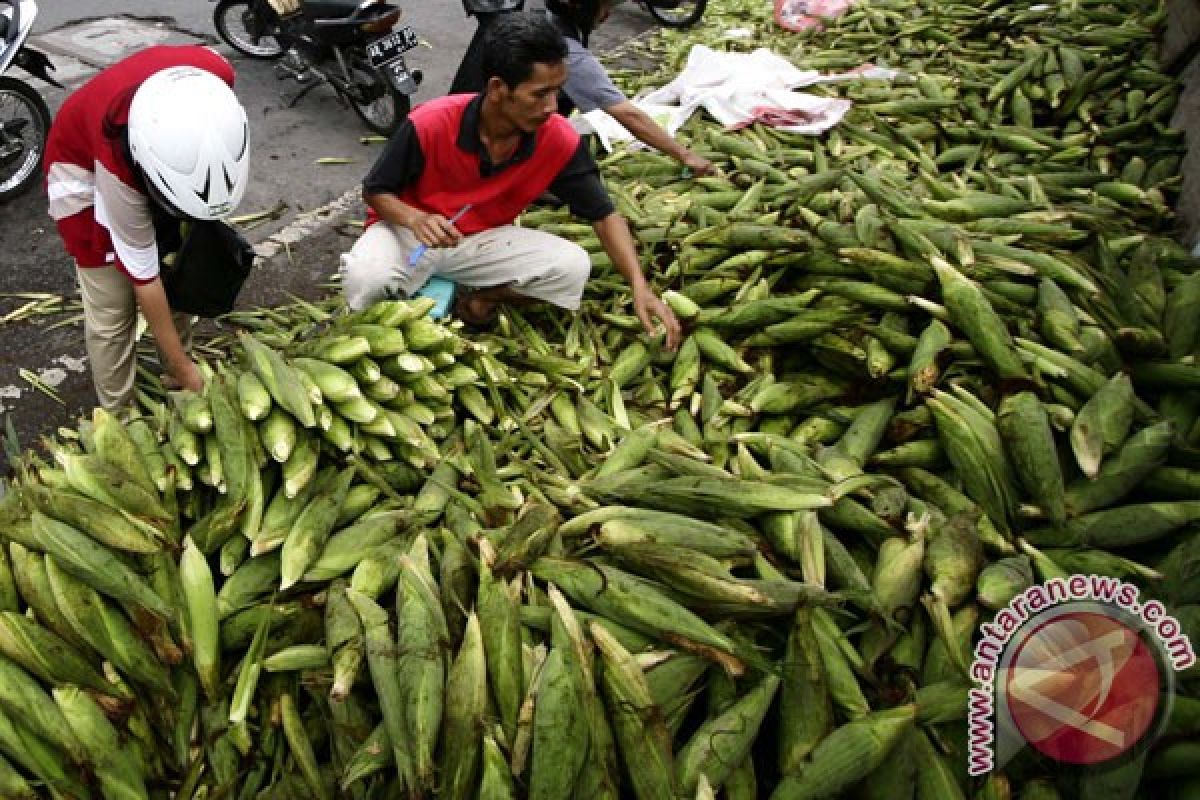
(468, 140)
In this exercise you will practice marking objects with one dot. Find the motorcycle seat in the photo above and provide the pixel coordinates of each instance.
(331, 9)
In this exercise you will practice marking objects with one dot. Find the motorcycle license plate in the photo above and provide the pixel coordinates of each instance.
(389, 48)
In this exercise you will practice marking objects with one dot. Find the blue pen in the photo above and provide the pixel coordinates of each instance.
(420, 249)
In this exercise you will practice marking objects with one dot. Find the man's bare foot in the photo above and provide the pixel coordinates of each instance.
(474, 309)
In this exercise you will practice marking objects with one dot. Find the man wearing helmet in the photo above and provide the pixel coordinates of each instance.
(588, 86)
(149, 143)
(482, 159)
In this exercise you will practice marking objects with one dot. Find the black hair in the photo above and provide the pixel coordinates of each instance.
(118, 132)
(579, 14)
(112, 128)
(515, 42)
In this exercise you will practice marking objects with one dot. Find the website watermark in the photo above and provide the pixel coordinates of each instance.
(1080, 668)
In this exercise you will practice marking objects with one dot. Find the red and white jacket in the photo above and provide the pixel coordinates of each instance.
(95, 196)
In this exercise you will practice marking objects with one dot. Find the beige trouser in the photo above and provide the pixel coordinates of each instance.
(535, 264)
(110, 316)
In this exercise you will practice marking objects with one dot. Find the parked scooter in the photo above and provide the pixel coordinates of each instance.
(24, 116)
(351, 45)
(675, 13)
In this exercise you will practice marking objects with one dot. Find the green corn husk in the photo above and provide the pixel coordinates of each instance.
(950, 344)
(847, 755)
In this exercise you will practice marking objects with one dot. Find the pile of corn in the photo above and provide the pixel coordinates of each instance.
(933, 357)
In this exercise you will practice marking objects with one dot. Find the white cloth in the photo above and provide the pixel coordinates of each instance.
(535, 264)
(738, 88)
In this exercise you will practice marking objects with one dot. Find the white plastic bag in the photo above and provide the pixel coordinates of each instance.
(804, 15)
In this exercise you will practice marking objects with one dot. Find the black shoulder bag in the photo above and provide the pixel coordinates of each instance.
(208, 271)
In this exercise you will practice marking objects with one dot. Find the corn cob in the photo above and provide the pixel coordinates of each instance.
(560, 731)
(280, 379)
(1025, 428)
(466, 700)
(422, 632)
(108, 483)
(119, 772)
(972, 314)
(21, 696)
(38, 757)
(501, 625)
(610, 592)
(847, 755)
(638, 726)
(96, 566)
(48, 657)
(383, 661)
(1102, 424)
(724, 741)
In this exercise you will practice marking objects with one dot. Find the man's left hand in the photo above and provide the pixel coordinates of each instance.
(648, 307)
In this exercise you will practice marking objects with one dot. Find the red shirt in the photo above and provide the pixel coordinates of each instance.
(77, 145)
(436, 163)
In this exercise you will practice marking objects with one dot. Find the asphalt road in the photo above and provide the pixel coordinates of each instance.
(298, 251)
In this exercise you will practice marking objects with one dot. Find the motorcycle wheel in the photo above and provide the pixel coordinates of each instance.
(376, 102)
(676, 13)
(239, 24)
(25, 120)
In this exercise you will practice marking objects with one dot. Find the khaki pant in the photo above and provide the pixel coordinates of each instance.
(110, 315)
(535, 264)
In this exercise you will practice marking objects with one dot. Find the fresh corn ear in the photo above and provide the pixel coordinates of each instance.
(334, 382)
(466, 704)
(197, 581)
(848, 754)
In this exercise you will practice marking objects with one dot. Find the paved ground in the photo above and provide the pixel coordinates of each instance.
(299, 250)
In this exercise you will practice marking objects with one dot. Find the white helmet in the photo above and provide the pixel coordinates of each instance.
(188, 134)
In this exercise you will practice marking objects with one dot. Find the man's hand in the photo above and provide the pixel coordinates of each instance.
(434, 230)
(185, 375)
(643, 126)
(648, 307)
(699, 165)
(618, 243)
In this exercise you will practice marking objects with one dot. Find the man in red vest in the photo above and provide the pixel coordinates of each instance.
(481, 160)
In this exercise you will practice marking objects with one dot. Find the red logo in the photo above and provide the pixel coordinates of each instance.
(1083, 688)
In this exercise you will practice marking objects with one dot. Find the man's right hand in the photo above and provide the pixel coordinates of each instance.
(187, 375)
(699, 165)
(183, 375)
(434, 230)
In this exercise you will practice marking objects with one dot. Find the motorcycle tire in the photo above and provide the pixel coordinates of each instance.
(387, 110)
(24, 168)
(676, 13)
(231, 18)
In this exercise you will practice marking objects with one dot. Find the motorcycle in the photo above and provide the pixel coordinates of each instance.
(675, 13)
(351, 45)
(24, 115)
